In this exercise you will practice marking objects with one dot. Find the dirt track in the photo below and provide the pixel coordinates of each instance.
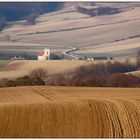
(69, 112)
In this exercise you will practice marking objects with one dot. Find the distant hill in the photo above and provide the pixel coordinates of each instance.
(112, 34)
(13, 11)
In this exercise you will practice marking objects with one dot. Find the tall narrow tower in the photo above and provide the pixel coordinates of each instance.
(47, 54)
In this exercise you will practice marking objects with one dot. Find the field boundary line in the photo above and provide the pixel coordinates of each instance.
(48, 98)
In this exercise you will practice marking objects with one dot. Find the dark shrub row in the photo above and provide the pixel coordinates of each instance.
(96, 75)
(36, 77)
(22, 81)
(113, 80)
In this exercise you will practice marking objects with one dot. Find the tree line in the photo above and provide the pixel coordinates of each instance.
(110, 74)
(98, 75)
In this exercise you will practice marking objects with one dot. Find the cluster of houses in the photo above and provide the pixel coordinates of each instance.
(46, 53)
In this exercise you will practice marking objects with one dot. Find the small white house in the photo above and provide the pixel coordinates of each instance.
(44, 55)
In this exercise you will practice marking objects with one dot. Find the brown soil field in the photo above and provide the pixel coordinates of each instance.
(70, 112)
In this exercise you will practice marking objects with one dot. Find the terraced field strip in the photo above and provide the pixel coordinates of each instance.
(69, 112)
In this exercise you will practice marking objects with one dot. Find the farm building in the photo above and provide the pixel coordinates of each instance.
(44, 55)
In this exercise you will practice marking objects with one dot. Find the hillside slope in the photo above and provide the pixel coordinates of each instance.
(19, 68)
(116, 35)
(69, 112)
(136, 73)
(13, 11)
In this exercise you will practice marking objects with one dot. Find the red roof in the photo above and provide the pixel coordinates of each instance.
(41, 53)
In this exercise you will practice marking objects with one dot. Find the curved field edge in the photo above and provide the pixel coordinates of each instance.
(92, 116)
(87, 118)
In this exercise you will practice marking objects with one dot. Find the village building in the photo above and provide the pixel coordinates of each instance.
(100, 58)
(44, 55)
(17, 58)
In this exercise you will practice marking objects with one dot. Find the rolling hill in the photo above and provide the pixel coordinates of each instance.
(13, 11)
(69, 112)
(114, 35)
(136, 73)
(16, 69)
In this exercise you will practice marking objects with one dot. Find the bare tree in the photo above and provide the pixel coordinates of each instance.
(39, 73)
(122, 80)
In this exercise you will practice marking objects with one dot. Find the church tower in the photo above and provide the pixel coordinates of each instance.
(47, 54)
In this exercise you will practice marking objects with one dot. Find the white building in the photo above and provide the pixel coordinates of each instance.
(18, 58)
(45, 55)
